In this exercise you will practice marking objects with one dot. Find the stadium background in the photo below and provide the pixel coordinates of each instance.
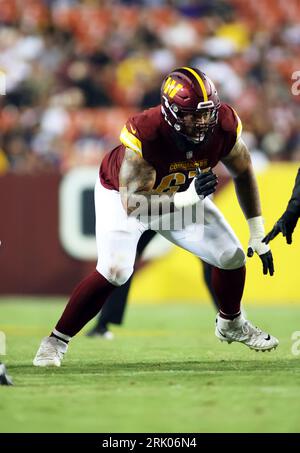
(74, 71)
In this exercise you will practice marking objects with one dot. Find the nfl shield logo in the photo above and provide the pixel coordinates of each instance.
(189, 154)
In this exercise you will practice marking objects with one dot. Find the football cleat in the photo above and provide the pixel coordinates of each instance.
(50, 352)
(101, 332)
(241, 330)
(5, 379)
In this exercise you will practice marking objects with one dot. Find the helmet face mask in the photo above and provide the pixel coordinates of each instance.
(190, 103)
(195, 124)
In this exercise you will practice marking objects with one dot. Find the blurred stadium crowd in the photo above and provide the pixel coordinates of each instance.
(76, 69)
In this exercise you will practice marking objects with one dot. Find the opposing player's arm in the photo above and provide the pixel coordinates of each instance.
(239, 164)
(289, 219)
(137, 178)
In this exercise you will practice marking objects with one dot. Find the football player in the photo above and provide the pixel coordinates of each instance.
(288, 221)
(163, 164)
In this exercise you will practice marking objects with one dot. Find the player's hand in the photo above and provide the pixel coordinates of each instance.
(285, 225)
(205, 183)
(263, 250)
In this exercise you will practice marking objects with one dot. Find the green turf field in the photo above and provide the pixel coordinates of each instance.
(164, 372)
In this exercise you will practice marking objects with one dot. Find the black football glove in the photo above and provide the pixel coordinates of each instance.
(285, 225)
(205, 183)
(266, 259)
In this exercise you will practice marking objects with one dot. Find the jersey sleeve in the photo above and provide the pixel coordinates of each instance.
(130, 137)
(238, 127)
(231, 126)
(141, 130)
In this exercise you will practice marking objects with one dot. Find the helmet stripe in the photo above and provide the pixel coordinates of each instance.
(203, 89)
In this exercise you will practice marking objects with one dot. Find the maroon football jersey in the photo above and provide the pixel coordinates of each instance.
(174, 159)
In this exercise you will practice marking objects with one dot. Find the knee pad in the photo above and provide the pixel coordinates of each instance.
(115, 274)
(232, 259)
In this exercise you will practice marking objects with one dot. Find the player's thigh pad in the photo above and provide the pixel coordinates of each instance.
(116, 235)
(211, 238)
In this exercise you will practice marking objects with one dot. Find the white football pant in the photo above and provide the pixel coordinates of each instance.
(117, 235)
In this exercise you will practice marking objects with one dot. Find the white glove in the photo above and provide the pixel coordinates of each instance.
(255, 245)
(186, 198)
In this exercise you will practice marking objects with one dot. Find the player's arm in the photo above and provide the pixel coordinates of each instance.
(239, 164)
(288, 221)
(137, 178)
